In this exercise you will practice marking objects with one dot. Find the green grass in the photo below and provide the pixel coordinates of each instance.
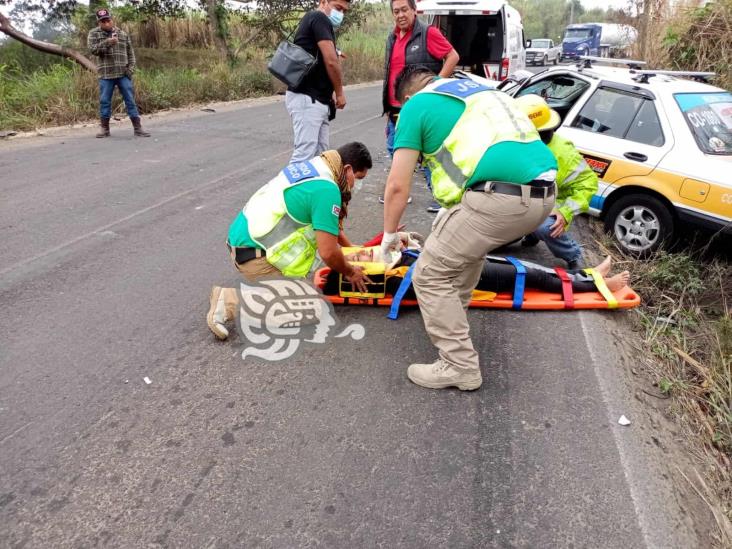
(38, 90)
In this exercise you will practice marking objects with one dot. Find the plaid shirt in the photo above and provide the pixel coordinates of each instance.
(113, 61)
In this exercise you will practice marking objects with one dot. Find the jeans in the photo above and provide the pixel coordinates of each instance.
(106, 89)
(390, 132)
(564, 246)
(310, 126)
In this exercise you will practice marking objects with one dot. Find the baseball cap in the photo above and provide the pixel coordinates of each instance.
(103, 14)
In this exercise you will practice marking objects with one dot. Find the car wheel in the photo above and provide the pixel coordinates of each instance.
(640, 223)
(556, 59)
(544, 61)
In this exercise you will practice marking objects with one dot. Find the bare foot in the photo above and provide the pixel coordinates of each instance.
(620, 280)
(604, 267)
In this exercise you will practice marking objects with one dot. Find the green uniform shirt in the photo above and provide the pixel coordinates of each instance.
(317, 202)
(421, 128)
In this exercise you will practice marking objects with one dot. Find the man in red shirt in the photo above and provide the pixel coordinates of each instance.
(412, 43)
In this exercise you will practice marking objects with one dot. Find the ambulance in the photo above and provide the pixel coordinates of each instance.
(487, 34)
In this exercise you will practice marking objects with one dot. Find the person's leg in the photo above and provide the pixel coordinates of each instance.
(433, 207)
(128, 95)
(106, 89)
(564, 246)
(224, 302)
(449, 268)
(307, 120)
(324, 136)
(390, 131)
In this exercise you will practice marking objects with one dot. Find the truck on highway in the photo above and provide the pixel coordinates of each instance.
(542, 51)
(487, 34)
(597, 39)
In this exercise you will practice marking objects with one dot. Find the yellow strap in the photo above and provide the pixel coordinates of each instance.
(483, 295)
(612, 303)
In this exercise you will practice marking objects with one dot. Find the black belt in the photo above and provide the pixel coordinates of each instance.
(539, 188)
(242, 255)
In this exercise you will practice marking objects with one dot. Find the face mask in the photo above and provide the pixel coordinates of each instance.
(336, 17)
(357, 186)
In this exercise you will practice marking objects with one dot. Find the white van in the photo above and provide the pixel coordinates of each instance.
(487, 34)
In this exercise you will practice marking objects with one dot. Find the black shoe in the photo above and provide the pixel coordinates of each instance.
(529, 241)
(575, 265)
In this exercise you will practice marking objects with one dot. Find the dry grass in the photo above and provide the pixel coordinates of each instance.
(686, 325)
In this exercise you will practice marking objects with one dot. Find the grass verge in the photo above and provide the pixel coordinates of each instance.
(685, 327)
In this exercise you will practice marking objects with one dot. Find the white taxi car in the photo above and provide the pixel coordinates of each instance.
(660, 144)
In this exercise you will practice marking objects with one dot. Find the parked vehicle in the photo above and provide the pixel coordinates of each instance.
(660, 143)
(597, 39)
(487, 34)
(542, 51)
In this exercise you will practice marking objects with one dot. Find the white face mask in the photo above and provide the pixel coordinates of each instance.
(357, 186)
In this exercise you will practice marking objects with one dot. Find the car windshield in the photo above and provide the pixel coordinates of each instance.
(578, 33)
(709, 116)
(540, 43)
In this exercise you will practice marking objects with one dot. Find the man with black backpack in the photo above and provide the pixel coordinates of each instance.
(313, 102)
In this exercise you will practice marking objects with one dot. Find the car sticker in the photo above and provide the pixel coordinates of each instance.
(598, 165)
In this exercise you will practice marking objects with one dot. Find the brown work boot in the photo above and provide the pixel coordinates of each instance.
(137, 124)
(103, 127)
(440, 375)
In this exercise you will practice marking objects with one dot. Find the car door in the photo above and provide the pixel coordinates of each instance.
(619, 132)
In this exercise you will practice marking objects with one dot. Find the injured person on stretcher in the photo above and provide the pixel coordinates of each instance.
(498, 274)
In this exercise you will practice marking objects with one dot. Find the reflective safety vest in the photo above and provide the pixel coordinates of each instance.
(576, 182)
(490, 117)
(289, 243)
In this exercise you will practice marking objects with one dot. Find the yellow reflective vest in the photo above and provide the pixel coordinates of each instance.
(289, 243)
(576, 182)
(489, 117)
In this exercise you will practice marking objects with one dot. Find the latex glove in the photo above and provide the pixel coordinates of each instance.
(390, 243)
(440, 213)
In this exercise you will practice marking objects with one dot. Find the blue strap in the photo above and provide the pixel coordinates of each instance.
(520, 284)
(403, 287)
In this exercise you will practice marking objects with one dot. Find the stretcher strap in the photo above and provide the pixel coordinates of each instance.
(567, 292)
(520, 284)
(612, 303)
(399, 295)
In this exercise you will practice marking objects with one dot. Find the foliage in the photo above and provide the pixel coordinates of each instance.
(548, 18)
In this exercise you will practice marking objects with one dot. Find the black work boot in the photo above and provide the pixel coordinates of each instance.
(103, 127)
(139, 132)
(529, 241)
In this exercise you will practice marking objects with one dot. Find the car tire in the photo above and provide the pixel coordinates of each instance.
(640, 223)
(544, 61)
(556, 59)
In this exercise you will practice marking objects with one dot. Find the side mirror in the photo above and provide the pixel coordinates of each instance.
(528, 43)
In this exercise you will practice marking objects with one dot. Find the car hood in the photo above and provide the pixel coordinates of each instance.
(536, 50)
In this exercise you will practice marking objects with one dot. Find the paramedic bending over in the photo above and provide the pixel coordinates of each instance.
(481, 136)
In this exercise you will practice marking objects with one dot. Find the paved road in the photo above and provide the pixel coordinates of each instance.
(109, 249)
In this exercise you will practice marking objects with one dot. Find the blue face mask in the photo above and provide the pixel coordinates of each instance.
(336, 17)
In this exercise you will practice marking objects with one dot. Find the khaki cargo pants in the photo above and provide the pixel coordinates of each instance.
(450, 264)
(254, 269)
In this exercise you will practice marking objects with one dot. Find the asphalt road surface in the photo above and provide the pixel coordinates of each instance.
(108, 252)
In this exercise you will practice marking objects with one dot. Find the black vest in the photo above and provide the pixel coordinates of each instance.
(415, 54)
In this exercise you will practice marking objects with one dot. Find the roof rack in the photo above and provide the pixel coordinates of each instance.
(585, 62)
(643, 76)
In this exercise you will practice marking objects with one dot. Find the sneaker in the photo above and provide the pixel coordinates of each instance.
(440, 375)
(381, 200)
(217, 313)
(434, 207)
(529, 241)
(576, 264)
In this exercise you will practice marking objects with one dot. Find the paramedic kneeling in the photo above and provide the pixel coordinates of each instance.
(495, 176)
(289, 222)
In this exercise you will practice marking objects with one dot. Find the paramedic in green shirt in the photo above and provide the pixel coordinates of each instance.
(494, 177)
(292, 223)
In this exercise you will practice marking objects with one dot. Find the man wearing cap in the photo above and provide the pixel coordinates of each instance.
(494, 178)
(576, 184)
(115, 64)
